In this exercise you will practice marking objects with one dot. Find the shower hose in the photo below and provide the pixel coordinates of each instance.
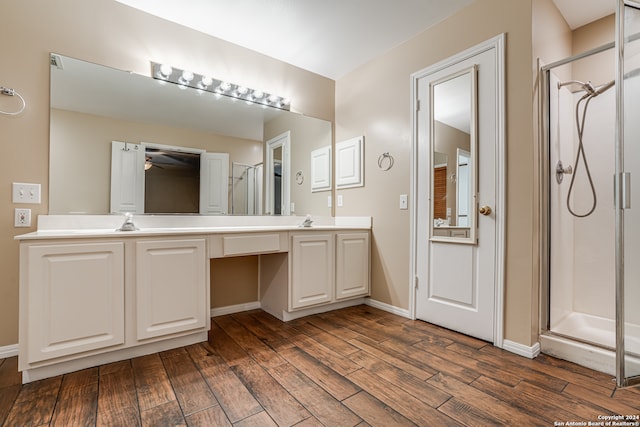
(580, 153)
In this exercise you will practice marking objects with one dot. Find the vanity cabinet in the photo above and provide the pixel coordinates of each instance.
(93, 297)
(87, 302)
(171, 288)
(352, 264)
(328, 267)
(71, 299)
(311, 265)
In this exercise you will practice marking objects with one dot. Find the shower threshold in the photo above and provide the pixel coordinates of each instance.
(589, 341)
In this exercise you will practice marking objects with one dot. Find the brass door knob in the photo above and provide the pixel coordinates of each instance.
(485, 210)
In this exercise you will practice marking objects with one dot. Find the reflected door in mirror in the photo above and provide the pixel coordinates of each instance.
(453, 154)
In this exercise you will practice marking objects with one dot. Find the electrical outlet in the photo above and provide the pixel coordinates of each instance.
(22, 218)
(26, 193)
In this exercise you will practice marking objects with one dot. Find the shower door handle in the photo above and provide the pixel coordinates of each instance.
(623, 190)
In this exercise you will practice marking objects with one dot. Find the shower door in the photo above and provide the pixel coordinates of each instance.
(628, 193)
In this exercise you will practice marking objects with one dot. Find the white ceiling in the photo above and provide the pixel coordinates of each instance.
(581, 12)
(329, 37)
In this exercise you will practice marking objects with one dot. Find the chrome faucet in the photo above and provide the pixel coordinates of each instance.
(307, 222)
(128, 224)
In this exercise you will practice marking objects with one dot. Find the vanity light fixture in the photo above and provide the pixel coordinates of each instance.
(205, 83)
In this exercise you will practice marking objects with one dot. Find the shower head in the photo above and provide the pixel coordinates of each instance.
(587, 87)
(604, 88)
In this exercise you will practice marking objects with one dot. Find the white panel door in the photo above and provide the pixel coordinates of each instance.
(456, 281)
(311, 264)
(127, 177)
(171, 293)
(214, 183)
(352, 265)
(75, 298)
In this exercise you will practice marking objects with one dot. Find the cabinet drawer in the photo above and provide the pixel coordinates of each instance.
(226, 245)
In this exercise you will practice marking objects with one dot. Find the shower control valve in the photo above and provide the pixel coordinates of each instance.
(561, 170)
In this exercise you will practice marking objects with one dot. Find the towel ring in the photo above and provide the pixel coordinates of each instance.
(299, 178)
(385, 161)
(11, 92)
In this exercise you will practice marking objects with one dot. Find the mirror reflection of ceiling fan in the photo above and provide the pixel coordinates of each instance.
(170, 159)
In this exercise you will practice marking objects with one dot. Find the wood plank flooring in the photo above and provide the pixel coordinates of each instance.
(353, 367)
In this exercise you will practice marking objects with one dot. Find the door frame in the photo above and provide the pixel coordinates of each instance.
(498, 43)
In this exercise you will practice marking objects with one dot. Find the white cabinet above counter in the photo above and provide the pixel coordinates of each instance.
(91, 295)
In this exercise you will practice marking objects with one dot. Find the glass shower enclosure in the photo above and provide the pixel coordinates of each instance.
(591, 240)
(627, 192)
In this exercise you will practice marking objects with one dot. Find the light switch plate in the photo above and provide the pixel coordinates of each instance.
(403, 202)
(329, 201)
(339, 200)
(25, 193)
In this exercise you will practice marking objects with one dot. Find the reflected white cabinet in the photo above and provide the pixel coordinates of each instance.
(352, 264)
(171, 288)
(311, 259)
(71, 299)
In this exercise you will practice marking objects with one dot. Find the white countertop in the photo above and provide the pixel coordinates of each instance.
(106, 226)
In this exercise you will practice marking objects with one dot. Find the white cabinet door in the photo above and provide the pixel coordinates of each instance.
(171, 292)
(352, 265)
(311, 266)
(214, 183)
(127, 177)
(74, 299)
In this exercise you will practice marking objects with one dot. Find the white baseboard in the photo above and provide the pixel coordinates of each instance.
(8, 351)
(521, 349)
(388, 307)
(231, 309)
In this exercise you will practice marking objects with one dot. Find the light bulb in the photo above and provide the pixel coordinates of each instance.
(186, 77)
(224, 86)
(205, 82)
(165, 71)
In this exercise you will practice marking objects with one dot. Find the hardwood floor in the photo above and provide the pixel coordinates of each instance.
(353, 367)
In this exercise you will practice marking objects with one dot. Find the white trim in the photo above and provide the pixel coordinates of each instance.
(521, 349)
(238, 308)
(498, 42)
(283, 140)
(8, 351)
(403, 312)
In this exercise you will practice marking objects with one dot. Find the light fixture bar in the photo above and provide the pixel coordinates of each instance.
(205, 83)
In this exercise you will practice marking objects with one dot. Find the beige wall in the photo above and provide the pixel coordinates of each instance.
(109, 33)
(234, 281)
(311, 134)
(598, 68)
(374, 101)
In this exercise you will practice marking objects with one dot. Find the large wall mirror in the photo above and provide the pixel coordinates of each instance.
(454, 157)
(94, 108)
